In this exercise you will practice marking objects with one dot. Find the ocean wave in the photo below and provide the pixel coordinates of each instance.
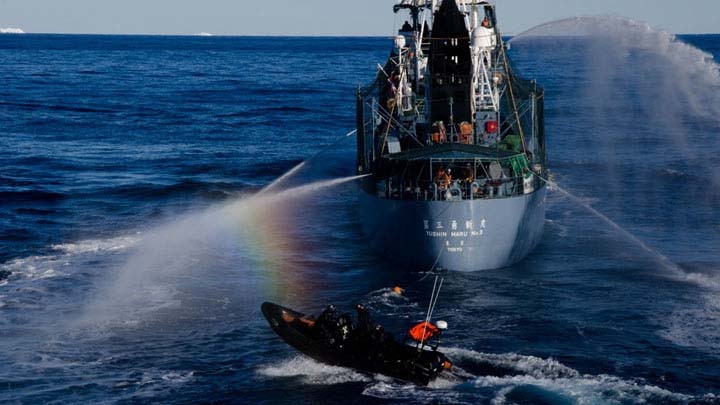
(602, 389)
(151, 380)
(30, 196)
(177, 377)
(34, 211)
(217, 190)
(58, 107)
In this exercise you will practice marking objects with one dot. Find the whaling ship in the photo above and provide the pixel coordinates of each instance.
(455, 142)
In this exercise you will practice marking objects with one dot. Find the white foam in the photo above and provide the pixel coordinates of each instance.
(587, 389)
(386, 297)
(99, 245)
(698, 328)
(312, 372)
(544, 374)
(562, 230)
(10, 30)
(412, 393)
(177, 377)
(203, 34)
(528, 365)
(56, 265)
(704, 280)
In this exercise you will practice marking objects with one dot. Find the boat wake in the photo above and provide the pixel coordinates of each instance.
(311, 372)
(487, 377)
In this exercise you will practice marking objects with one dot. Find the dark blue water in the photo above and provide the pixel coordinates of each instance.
(133, 259)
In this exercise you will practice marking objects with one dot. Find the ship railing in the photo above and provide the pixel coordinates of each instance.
(460, 190)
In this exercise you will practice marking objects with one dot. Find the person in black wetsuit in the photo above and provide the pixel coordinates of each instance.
(327, 323)
(335, 329)
(379, 340)
(365, 322)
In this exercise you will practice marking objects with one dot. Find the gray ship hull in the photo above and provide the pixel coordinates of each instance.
(466, 235)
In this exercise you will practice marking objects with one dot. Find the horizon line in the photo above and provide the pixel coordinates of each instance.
(205, 34)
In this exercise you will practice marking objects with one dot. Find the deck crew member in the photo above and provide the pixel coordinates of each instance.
(445, 179)
(469, 173)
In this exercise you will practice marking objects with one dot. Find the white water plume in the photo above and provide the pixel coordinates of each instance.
(677, 83)
(648, 120)
(187, 249)
(282, 178)
(300, 191)
(290, 173)
(671, 268)
(661, 259)
(688, 63)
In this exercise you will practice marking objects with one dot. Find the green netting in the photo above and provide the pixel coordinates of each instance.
(511, 142)
(520, 165)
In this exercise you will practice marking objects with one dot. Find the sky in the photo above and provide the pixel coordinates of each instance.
(321, 17)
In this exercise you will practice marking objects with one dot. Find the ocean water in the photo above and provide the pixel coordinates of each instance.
(135, 251)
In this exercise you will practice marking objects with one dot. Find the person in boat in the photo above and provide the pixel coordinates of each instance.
(379, 341)
(328, 316)
(343, 330)
(326, 324)
(335, 329)
(485, 22)
(364, 321)
(423, 331)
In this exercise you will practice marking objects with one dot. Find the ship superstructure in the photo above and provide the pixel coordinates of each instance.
(454, 140)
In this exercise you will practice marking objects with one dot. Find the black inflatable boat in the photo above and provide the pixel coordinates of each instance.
(344, 344)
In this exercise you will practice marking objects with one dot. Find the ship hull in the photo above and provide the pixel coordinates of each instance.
(468, 235)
